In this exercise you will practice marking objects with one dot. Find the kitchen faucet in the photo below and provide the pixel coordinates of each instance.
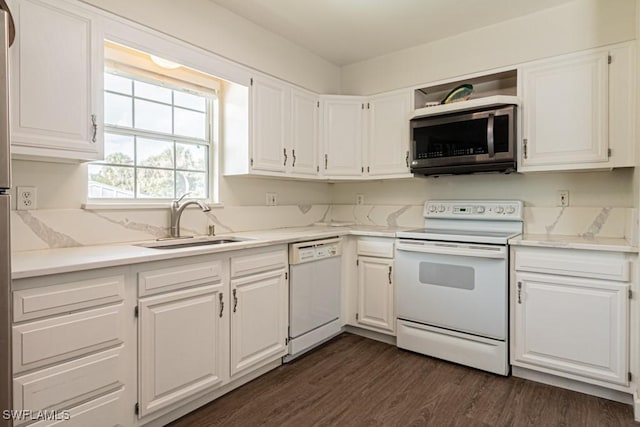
(176, 212)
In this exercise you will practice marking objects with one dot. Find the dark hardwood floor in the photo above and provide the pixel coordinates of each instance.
(353, 381)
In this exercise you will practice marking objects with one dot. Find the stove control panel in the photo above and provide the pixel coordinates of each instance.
(507, 210)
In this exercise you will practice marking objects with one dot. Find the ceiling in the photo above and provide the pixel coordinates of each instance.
(348, 31)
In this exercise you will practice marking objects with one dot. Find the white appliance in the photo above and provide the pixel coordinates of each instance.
(314, 294)
(452, 282)
(7, 34)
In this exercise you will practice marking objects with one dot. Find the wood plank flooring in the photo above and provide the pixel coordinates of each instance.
(354, 381)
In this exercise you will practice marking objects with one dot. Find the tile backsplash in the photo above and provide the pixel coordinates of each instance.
(55, 228)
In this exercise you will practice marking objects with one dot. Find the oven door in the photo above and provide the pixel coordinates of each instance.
(464, 139)
(456, 286)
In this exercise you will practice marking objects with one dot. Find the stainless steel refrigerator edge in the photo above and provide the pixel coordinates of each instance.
(6, 392)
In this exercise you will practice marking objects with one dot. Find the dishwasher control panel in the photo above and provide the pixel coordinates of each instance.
(314, 250)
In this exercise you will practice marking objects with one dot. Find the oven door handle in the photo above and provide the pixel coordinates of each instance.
(479, 251)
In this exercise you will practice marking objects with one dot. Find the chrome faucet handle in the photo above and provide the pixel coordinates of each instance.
(178, 200)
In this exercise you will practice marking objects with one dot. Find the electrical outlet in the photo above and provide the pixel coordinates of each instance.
(26, 198)
(359, 199)
(272, 199)
(563, 198)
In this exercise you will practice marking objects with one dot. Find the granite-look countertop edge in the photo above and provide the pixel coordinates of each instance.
(45, 262)
(607, 244)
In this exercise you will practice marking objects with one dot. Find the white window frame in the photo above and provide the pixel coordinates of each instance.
(213, 161)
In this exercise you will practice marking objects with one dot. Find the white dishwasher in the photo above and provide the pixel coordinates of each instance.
(315, 290)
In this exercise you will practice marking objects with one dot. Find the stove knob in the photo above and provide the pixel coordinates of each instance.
(480, 209)
(432, 208)
(510, 209)
(499, 209)
(441, 208)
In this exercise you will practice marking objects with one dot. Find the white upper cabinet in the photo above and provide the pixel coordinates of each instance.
(387, 148)
(577, 111)
(305, 112)
(269, 124)
(342, 136)
(55, 82)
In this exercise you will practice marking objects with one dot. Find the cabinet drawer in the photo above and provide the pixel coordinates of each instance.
(177, 277)
(567, 262)
(48, 341)
(375, 247)
(105, 411)
(258, 263)
(68, 383)
(63, 298)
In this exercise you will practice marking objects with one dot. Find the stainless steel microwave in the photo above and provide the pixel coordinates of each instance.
(465, 142)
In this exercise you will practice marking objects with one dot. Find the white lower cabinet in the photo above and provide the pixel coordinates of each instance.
(258, 319)
(376, 302)
(181, 345)
(259, 309)
(71, 349)
(569, 323)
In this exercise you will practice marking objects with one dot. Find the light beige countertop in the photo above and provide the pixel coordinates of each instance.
(609, 244)
(64, 260)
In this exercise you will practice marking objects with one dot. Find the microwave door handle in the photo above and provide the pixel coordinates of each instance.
(490, 145)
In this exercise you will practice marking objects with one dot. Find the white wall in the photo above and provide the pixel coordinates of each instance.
(211, 27)
(64, 186)
(538, 189)
(574, 26)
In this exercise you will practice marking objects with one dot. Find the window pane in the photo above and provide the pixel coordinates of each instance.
(187, 100)
(192, 157)
(190, 123)
(155, 152)
(155, 183)
(118, 149)
(149, 91)
(111, 182)
(117, 84)
(152, 116)
(117, 110)
(193, 182)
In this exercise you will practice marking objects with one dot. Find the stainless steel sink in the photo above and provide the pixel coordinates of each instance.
(191, 242)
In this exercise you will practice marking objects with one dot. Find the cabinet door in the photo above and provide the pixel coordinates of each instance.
(388, 139)
(304, 133)
(56, 82)
(572, 326)
(342, 134)
(565, 111)
(375, 293)
(269, 118)
(258, 319)
(181, 345)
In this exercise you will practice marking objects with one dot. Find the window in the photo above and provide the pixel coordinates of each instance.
(157, 140)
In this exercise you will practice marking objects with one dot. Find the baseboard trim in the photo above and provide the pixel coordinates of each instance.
(578, 386)
(378, 336)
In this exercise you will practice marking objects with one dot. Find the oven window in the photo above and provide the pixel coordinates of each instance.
(460, 138)
(451, 276)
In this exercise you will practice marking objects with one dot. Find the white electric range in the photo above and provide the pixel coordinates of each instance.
(452, 279)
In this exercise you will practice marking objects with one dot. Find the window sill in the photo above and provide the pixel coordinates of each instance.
(95, 206)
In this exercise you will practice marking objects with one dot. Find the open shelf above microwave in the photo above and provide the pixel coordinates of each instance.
(471, 104)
